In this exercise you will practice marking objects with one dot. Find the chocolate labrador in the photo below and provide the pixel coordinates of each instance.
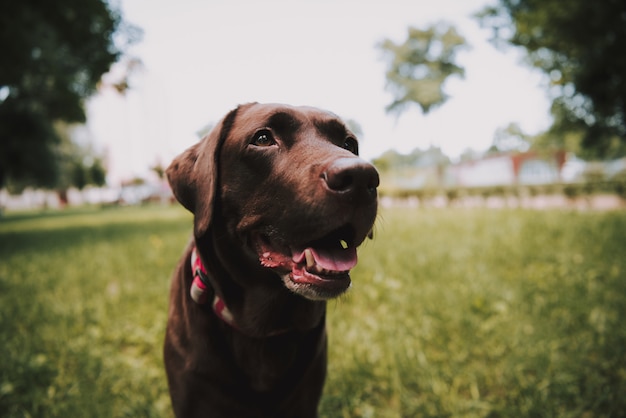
(281, 201)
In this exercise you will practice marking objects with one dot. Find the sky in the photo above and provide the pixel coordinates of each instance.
(201, 58)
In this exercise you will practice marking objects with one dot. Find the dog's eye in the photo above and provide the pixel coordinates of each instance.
(263, 138)
(351, 145)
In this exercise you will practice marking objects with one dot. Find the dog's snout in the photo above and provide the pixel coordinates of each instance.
(351, 177)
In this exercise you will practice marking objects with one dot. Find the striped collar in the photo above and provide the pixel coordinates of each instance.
(200, 289)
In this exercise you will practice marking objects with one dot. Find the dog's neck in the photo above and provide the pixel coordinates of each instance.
(201, 289)
(259, 302)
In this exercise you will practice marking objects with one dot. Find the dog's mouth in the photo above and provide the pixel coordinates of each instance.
(317, 270)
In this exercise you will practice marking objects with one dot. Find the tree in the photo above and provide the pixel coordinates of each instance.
(53, 56)
(204, 131)
(510, 139)
(430, 157)
(159, 170)
(78, 164)
(354, 126)
(579, 45)
(419, 67)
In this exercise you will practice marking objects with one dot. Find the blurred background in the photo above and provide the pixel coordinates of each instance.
(97, 98)
(495, 285)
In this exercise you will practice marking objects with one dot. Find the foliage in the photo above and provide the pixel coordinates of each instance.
(354, 126)
(580, 47)
(510, 139)
(54, 54)
(201, 133)
(79, 165)
(429, 157)
(593, 190)
(453, 313)
(419, 67)
(76, 164)
(159, 170)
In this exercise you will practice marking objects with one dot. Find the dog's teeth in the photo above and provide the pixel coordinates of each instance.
(344, 244)
(310, 260)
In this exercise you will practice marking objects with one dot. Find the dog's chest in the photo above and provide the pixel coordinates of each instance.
(267, 362)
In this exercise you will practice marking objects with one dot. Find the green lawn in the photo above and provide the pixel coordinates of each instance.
(453, 313)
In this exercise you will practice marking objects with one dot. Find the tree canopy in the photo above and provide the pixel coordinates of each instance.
(392, 159)
(419, 66)
(510, 139)
(54, 54)
(579, 44)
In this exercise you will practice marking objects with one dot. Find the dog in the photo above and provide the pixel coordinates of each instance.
(281, 201)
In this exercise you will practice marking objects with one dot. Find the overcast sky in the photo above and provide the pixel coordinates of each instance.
(204, 57)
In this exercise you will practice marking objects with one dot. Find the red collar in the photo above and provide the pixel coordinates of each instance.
(201, 285)
(200, 291)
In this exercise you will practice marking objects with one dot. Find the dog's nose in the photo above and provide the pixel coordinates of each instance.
(352, 177)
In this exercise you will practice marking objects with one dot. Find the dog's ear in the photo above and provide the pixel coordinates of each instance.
(193, 175)
(180, 175)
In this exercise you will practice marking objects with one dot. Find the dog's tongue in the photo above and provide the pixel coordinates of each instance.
(334, 259)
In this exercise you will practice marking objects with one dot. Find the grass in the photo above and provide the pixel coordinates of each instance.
(453, 313)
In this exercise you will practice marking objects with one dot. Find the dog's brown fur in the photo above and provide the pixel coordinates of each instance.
(267, 180)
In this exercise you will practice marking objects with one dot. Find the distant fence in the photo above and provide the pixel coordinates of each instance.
(133, 194)
(601, 195)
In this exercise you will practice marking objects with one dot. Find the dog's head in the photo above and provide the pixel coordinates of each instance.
(288, 188)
